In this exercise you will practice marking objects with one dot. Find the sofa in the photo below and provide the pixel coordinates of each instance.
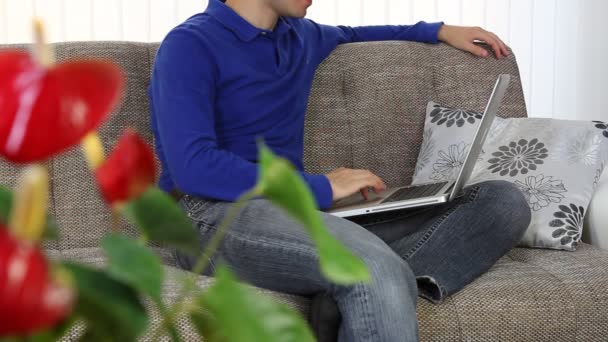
(366, 110)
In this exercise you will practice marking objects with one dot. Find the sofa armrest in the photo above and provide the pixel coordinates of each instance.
(595, 231)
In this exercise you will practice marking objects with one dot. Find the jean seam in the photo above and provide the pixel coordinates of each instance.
(200, 219)
(370, 329)
(473, 194)
(243, 237)
(471, 198)
(195, 207)
(211, 263)
(177, 255)
(203, 223)
(428, 233)
(291, 246)
(206, 226)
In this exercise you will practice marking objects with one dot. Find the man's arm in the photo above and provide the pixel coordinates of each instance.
(460, 37)
(421, 32)
(327, 37)
(183, 92)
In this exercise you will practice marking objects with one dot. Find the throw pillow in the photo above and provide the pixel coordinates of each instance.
(555, 163)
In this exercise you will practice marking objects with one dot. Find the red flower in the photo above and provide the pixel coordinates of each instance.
(45, 111)
(129, 170)
(29, 300)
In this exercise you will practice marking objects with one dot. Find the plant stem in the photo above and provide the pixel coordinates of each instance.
(43, 53)
(164, 324)
(203, 260)
(115, 219)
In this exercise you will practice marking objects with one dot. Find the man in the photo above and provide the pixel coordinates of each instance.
(244, 69)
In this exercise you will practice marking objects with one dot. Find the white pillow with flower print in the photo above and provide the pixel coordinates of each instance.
(555, 163)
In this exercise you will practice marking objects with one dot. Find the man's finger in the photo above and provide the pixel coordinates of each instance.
(489, 39)
(484, 35)
(377, 183)
(503, 46)
(378, 190)
(364, 193)
(497, 44)
(477, 50)
(380, 186)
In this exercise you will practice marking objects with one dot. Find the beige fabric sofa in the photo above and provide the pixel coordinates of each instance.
(367, 111)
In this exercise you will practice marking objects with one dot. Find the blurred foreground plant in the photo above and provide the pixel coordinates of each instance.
(42, 300)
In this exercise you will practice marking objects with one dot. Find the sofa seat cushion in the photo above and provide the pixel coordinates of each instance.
(94, 256)
(528, 295)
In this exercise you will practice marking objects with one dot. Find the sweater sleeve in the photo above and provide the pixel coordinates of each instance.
(328, 37)
(182, 92)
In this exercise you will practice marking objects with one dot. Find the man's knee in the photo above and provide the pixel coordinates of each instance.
(508, 205)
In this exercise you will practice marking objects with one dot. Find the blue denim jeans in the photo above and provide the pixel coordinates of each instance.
(430, 252)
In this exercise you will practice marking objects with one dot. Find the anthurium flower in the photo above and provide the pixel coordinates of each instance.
(30, 300)
(45, 110)
(129, 171)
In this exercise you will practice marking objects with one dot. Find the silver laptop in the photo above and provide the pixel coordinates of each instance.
(429, 193)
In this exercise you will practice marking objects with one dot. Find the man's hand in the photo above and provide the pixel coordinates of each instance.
(345, 182)
(462, 38)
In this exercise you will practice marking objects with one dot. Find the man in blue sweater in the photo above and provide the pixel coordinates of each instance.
(243, 69)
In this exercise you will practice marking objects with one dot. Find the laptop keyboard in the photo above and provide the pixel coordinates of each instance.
(416, 191)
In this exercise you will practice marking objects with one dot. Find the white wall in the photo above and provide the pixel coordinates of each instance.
(562, 48)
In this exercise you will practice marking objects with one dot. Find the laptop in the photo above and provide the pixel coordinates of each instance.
(429, 193)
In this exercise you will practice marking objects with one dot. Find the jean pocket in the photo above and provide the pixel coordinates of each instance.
(187, 262)
(199, 210)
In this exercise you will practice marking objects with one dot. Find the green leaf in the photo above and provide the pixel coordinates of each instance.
(51, 231)
(237, 313)
(91, 335)
(112, 309)
(6, 201)
(134, 264)
(207, 326)
(55, 333)
(162, 220)
(285, 188)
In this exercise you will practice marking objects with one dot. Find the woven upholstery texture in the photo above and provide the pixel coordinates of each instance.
(366, 110)
(170, 290)
(368, 102)
(71, 169)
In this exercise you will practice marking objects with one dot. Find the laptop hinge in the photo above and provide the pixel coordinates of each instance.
(450, 188)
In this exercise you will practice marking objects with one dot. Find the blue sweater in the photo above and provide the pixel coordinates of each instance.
(218, 83)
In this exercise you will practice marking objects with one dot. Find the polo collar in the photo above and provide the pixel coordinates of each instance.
(241, 27)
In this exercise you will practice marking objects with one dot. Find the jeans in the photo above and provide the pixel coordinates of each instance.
(430, 252)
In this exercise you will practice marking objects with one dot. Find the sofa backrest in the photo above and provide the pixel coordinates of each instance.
(366, 110)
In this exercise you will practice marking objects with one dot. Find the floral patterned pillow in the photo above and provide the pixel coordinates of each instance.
(557, 165)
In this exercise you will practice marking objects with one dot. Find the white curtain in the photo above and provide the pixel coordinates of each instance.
(591, 45)
(561, 45)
